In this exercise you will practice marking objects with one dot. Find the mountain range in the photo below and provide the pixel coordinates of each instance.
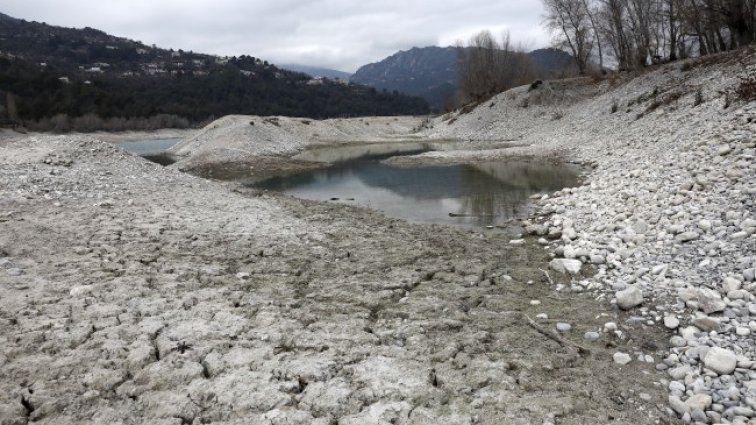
(432, 72)
(50, 72)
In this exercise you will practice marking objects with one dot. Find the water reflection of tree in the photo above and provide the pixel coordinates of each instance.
(498, 190)
(488, 193)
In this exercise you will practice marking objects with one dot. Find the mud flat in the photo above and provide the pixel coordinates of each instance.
(134, 293)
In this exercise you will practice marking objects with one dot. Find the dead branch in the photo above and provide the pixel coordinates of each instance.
(547, 276)
(555, 337)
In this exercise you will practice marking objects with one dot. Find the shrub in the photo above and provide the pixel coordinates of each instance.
(698, 99)
(746, 91)
(596, 75)
(615, 106)
(666, 99)
(272, 120)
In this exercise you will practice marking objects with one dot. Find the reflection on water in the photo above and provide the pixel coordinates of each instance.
(349, 152)
(469, 195)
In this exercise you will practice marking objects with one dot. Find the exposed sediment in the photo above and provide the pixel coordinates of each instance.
(134, 293)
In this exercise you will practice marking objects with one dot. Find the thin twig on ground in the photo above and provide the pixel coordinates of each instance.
(554, 336)
(547, 276)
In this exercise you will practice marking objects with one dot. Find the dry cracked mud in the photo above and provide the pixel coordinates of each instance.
(133, 293)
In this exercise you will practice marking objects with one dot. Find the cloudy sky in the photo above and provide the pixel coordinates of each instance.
(340, 34)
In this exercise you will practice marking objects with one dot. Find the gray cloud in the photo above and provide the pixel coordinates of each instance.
(341, 34)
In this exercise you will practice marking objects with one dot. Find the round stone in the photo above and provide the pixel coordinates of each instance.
(591, 336)
(629, 298)
(671, 322)
(720, 360)
(622, 358)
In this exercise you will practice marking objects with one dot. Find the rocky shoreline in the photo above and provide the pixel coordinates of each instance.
(669, 219)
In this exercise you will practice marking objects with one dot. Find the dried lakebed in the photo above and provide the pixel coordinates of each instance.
(134, 293)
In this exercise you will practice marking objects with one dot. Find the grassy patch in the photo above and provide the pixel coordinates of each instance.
(663, 100)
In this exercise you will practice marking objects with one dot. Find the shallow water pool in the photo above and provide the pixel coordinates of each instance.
(479, 195)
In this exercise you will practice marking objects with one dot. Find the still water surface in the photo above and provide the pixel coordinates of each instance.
(151, 149)
(148, 147)
(487, 194)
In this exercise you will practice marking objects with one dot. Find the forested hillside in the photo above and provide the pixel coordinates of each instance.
(54, 78)
(433, 73)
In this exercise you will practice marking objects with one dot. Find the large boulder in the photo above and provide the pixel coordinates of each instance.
(710, 301)
(564, 266)
(629, 298)
(721, 360)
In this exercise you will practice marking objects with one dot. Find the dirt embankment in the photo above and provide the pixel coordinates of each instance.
(241, 142)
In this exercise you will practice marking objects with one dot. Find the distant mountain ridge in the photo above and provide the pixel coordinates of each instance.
(318, 72)
(428, 72)
(432, 72)
(49, 72)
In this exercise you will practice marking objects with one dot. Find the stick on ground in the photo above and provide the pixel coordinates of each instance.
(554, 336)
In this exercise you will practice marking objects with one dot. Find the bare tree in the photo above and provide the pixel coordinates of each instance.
(10, 106)
(591, 11)
(570, 19)
(488, 67)
(612, 17)
(638, 32)
(478, 66)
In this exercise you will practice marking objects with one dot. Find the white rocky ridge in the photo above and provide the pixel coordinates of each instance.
(238, 138)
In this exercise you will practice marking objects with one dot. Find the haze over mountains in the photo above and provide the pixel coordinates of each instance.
(318, 72)
(431, 72)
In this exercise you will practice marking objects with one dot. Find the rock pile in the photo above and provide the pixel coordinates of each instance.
(667, 216)
(674, 217)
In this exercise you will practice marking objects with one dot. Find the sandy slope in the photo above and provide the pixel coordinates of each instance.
(243, 138)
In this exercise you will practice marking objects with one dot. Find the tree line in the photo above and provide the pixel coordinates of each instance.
(488, 66)
(635, 33)
(602, 34)
(41, 101)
